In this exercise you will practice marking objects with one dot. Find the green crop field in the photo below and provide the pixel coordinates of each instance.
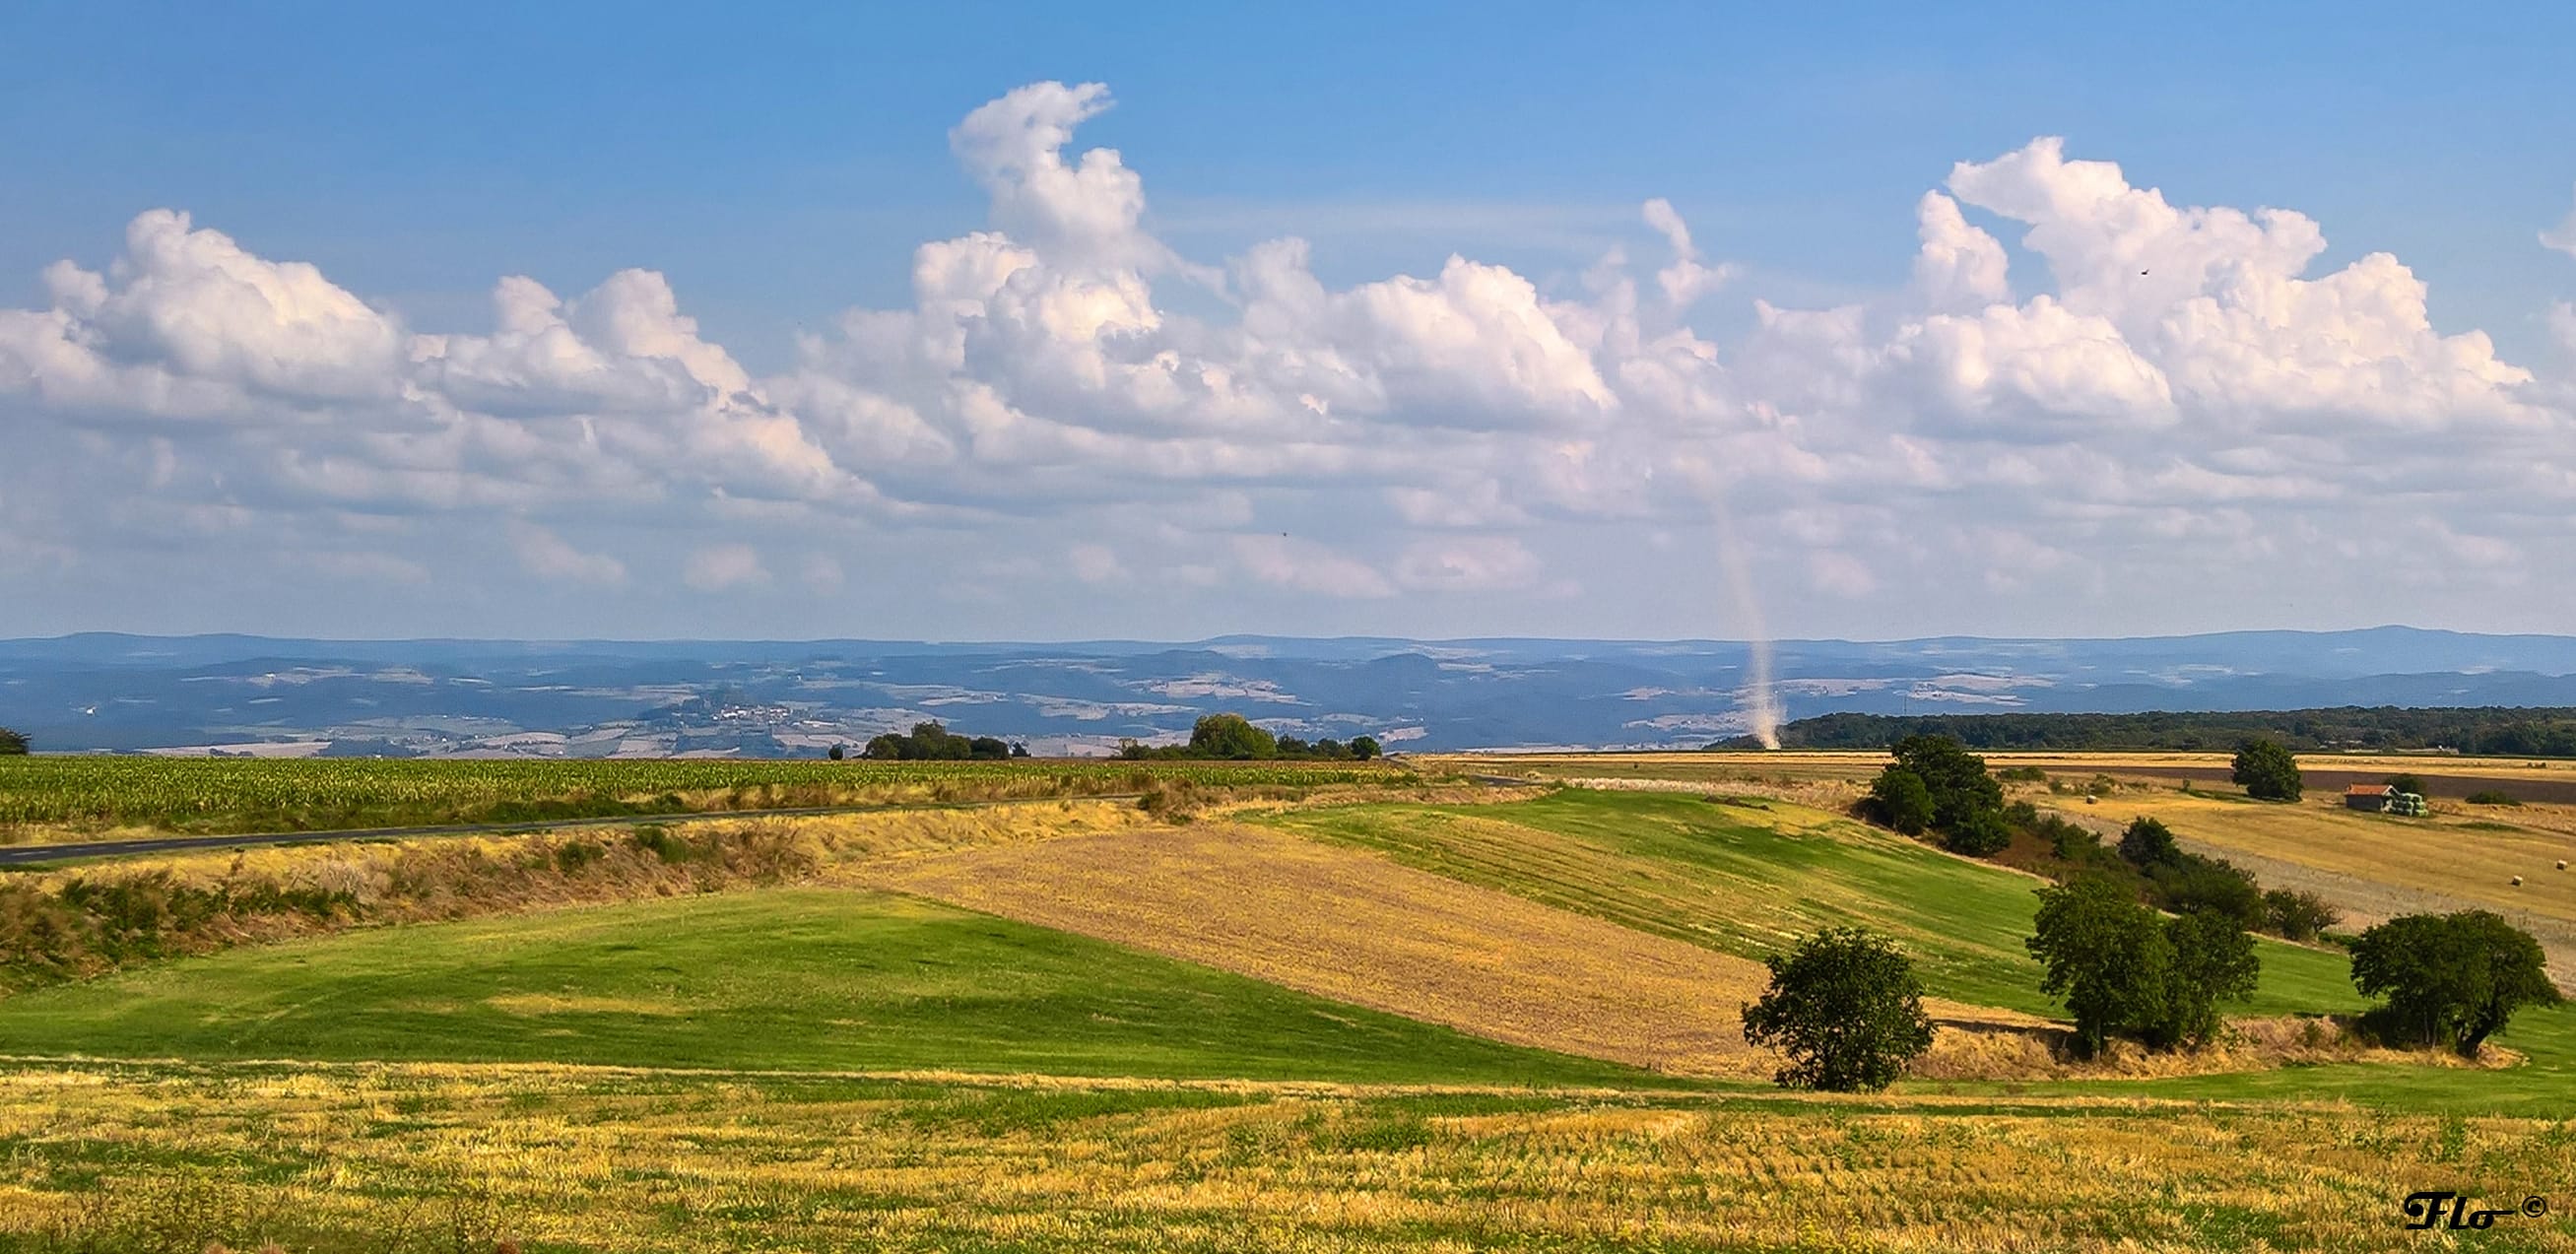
(209, 795)
(795, 979)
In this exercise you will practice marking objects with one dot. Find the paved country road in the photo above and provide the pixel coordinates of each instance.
(25, 855)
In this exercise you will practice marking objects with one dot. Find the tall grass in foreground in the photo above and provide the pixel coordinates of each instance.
(382, 1158)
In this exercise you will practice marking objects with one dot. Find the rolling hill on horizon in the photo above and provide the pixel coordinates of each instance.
(487, 698)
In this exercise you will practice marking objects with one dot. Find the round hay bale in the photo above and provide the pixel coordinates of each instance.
(2517, 881)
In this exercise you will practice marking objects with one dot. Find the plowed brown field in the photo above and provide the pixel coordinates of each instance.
(1354, 926)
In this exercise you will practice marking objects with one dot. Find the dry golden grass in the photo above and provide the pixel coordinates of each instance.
(2373, 866)
(2017, 1054)
(833, 837)
(380, 1158)
(1816, 764)
(1786, 766)
(2390, 763)
(1351, 925)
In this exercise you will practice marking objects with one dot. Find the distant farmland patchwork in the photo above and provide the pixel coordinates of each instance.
(1315, 1008)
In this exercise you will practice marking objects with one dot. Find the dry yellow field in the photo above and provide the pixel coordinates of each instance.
(1355, 927)
(446, 1157)
(1860, 764)
(364, 865)
(1702, 767)
(2374, 866)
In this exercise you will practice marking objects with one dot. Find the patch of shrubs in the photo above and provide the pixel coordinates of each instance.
(75, 926)
(2124, 971)
(94, 922)
(2493, 797)
(1935, 785)
(931, 742)
(2300, 916)
(1234, 738)
(655, 839)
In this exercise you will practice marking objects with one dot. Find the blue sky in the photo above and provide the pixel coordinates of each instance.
(780, 167)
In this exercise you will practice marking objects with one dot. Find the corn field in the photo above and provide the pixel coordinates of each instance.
(204, 794)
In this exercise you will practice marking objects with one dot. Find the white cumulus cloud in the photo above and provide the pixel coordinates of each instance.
(2173, 386)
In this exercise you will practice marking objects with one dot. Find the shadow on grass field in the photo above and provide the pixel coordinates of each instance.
(800, 978)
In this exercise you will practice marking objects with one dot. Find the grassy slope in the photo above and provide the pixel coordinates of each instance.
(799, 978)
(1747, 880)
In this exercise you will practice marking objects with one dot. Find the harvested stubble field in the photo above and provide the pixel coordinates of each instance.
(2374, 866)
(558, 1159)
(1347, 924)
(2450, 775)
(1748, 877)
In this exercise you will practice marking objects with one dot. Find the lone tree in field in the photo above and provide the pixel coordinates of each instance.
(1364, 747)
(2450, 979)
(12, 744)
(2266, 770)
(1846, 1008)
(2105, 955)
(2213, 961)
(1230, 736)
(2299, 916)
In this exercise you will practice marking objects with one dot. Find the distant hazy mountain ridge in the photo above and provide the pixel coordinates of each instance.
(610, 698)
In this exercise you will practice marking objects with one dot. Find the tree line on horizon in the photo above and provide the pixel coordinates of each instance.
(2489, 730)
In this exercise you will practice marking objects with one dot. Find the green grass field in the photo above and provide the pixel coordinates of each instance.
(794, 979)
